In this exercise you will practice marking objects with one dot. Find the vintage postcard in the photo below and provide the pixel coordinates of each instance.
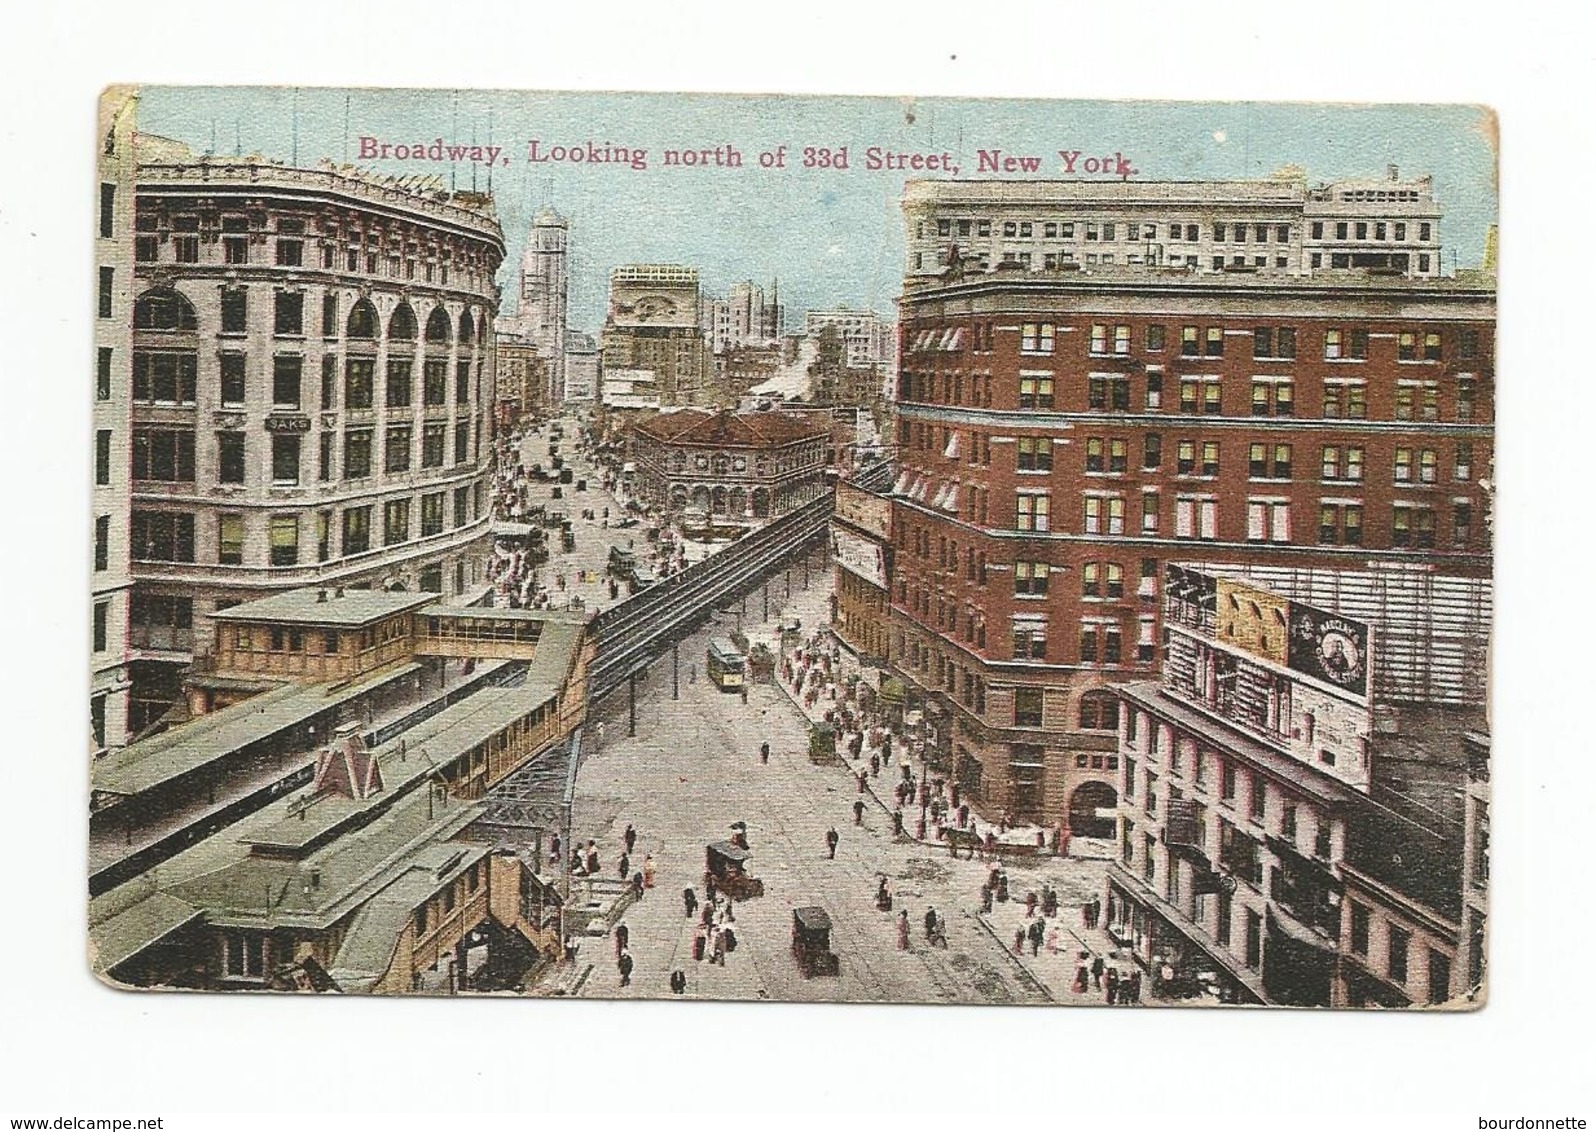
(792, 548)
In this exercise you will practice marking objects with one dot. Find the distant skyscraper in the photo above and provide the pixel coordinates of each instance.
(540, 313)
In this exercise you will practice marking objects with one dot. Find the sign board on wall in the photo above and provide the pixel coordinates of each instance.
(860, 556)
(1252, 619)
(1329, 647)
(863, 509)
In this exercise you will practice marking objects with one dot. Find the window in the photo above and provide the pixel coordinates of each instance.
(102, 457)
(462, 442)
(1031, 577)
(285, 458)
(1036, 338)
(102, 374)
(1027, 707)
(164, 378)
(235, 310)
(398, 385)
(1035, 454)
(1468, 343)
(396, 449)
(1424, 231)
(1432, 346)
(357, 530)
(1155, 339)
(432, 441)
(1030, 637)
(162, 536)
(1257, 797)
(1462, 525)
(102, 612)
(1105, 515)
(357, 454)
(1266, 461)
(230, 540)
(162, 455)
(435, 381)
(1332, 344)
(1340, 523)
(1188, 341)
(395, 521)
(1036, 391)
(288, 316)
(358, 382)
(329, 314)
(432, 514)
(1440, 980)
(1465, 398)
(1108, 391)
(1031, 511)
(230, 456)
(1396, 964)
(329, 382)
(1210, 465)
(1464, 464)
(102, 543)
(287, 370)
(1268, 521)
(324, 522)
(107, 290)
(362, 321)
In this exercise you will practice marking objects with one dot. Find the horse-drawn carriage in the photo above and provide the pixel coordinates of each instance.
(726, 867)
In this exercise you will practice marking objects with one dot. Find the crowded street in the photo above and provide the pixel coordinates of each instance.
(694, 769)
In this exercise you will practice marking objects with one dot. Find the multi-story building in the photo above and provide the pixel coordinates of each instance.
(582, 370)
(1277, 226)
(520, 373)
(1061, 435)
(110, 677)
(540, 316)
(653, 324)
(743, 318)
(742, 465)
(311, 392)
(1291, 801)
(867, 337)
(861, 545)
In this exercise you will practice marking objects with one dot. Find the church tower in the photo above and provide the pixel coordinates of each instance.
(540, 317)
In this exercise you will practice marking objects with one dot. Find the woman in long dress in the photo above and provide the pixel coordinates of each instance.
(903, 930)
(648, 870)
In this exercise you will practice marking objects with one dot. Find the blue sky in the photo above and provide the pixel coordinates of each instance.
(833, 238)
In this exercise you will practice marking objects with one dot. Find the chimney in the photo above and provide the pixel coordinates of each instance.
(315, 877)
(321, 597)
(339, 592)
(1391, 172)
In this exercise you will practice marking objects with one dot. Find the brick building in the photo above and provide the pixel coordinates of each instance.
(1062, 434)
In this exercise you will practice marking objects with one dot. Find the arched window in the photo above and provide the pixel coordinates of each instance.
(402, 324)
(1099, 711)
(362, 320)
(438, 326)
(467, 328)
(163, 310)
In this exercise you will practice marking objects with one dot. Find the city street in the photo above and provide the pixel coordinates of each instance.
(693, 769)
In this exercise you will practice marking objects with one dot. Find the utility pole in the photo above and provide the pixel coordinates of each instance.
(675, 682)
(631, 707)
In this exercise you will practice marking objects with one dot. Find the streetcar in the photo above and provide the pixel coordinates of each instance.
(725, 665)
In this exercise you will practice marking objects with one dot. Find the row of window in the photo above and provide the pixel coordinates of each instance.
(1341, 399)
(169, 536)
(170, 310)
(170, 377)
(1180, 231)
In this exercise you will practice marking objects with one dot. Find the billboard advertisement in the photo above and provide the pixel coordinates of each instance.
(1329, 647)
(859, 556)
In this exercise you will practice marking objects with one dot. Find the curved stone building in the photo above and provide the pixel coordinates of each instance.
(311, 392)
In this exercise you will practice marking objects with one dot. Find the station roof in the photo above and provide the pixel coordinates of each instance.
(313, 606)
(161, 758)
(118, 937)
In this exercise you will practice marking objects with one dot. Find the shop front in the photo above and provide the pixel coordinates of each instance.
(1181, 966)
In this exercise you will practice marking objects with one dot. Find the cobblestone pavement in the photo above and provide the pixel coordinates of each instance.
(693, 768)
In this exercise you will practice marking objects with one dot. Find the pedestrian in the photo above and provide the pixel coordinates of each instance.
(625, 965)
(637, 886)
(1136, 986)
(1098, 966)
(1111, 982)
(1003, 888)
(897, 823)
(1019, 941)
(554, 850)
(1097, 911)
(689, 901)
(631, 838)
(986, 899)
(1081, 975)
(717, 948)
(764, 752)
(1086, 914)
(600, 728)
(863, 777)
(622, 936)
(698, 942)
(903, 930)
(708, 917)
(678, 981)
(592, 859)
(1030, 904)
(831, 843)
(625, 864)
(1036, 935)
(648, 870)
(875, 765)
(858, 813)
